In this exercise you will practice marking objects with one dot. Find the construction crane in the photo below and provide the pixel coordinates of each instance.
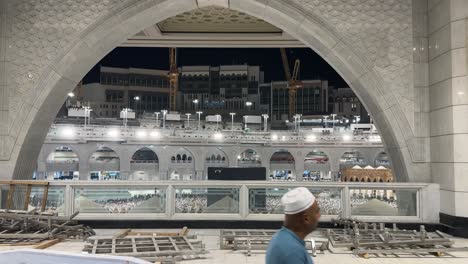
(293, 82)
(173, 79)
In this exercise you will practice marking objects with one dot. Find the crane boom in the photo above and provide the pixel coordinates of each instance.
(293, 83)
(297, 65)
(173, 78)
(284, 58)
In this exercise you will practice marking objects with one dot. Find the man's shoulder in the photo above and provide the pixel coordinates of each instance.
(284, 243)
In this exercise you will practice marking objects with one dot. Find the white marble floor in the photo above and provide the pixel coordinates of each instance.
(210, 238)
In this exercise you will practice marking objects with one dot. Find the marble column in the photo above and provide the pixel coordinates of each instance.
(6, 142)
(447, 31)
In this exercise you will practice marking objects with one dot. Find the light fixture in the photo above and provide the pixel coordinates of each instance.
(311, 138)
(218, 136)
(113, 133)
(154, 134)
(274, 137)
(195, 101)
(141, 134)
(136, 98)
(71, 95)
(347, 137)
(67, 132)
(248, 103)
(238, 157)
(283, 138)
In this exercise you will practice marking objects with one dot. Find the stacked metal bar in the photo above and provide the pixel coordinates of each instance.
(374, 238)
(165, 249)
(257, 240)
(22, 227)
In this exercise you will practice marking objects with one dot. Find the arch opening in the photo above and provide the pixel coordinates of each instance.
(317, 167)
(182, 165)
(104, 164)
(249, 158)
(282, 166)
(62, 164)
(144, 165)
(163, 11)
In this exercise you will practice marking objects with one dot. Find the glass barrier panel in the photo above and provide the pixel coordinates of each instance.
(4, 196)
(54, 203)
(120, 200)
(55, 199)
(383, 202)
(268, 200)
(207, 200)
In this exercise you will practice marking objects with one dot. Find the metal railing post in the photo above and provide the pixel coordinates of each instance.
(69, 200)
(346, 200)
(170, 201)
(244, 201)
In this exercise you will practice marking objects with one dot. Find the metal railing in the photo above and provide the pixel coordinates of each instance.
(235, 200)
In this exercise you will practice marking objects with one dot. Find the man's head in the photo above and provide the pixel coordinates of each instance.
(301, 210)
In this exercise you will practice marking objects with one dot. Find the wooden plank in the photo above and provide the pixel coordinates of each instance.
(113, 246)
(173, 244)
(138, 233)
(134, 246)
(188, 243)
(19, 244)
(10, 196)
(184, 231)
(44, 197)
(155, 244)
(26, 199)
(95, 244)
(24, 236)
(23, 182)
(28, 216)
(408, 250)
(122, 234)
(46, 244)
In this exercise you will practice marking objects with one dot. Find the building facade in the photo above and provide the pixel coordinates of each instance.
(142, 90)
(312, 99)
(106, 152)
(220, 90)
(344, 103)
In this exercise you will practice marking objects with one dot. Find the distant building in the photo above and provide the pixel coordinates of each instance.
(310, 100)
(220, 90)
(345, 103)
(138, 89)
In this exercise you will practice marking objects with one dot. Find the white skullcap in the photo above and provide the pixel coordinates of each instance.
(297, 200)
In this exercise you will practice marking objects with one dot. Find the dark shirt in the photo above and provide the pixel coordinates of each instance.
(287, 248)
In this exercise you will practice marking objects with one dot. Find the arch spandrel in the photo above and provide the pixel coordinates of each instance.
(55, 68)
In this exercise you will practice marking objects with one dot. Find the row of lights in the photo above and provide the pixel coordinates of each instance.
(69, 132)
(114, 133)
(311, 138)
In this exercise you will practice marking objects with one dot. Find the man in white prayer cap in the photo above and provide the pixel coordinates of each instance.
(302, 215)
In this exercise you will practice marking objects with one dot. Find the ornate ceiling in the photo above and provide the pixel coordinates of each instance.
(214, 19)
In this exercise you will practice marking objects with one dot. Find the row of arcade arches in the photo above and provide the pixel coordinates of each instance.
(104, 163)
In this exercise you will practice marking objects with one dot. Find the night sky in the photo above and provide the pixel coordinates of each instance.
(269, 59)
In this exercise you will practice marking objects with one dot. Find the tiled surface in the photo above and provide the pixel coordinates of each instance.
(210, 238)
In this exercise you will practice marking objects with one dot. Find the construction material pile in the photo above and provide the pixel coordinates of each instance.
(365, 239)
(18, 227)
(258, 240)
(150, 246)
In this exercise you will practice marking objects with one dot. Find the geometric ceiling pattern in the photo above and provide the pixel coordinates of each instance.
(215, 19)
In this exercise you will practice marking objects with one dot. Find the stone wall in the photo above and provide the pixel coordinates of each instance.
(51, 44)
